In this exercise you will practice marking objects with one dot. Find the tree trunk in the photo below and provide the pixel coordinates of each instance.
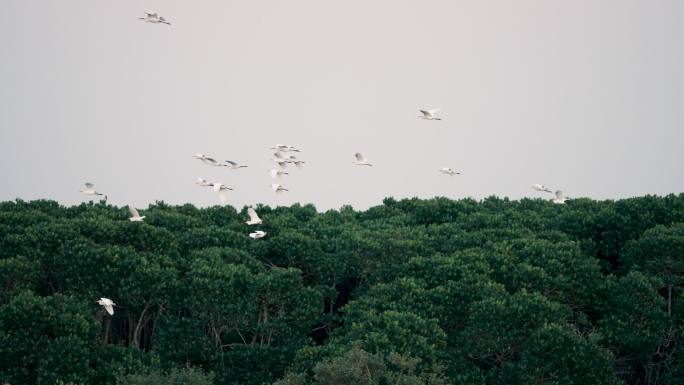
(138, 326)
(154, 324)
(129, 328)
(105, 337)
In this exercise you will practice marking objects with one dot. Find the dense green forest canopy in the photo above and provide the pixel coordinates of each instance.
(435, 291)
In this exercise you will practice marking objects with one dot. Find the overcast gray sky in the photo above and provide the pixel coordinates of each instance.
(584, 96)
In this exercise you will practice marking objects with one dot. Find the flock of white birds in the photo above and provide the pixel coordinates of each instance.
(281, 157)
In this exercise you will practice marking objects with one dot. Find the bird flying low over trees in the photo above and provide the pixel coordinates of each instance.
(107, 304)
(253, 217)
(90, 190)
(135, 216)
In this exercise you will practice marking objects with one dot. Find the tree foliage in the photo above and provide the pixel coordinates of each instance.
(409, 292)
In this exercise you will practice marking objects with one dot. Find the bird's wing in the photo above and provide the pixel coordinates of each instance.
(223, 196)
(89, 185)
(433, 111)
(252, 214)
(133, 211)
(109, 308)
(230, 162)
(274, 173)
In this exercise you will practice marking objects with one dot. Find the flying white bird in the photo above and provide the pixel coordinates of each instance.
(278, 188)
(448, 171)
(277, 173)
(429, 114)
(154, 18)
(222, 189)
(253, 217)
(107, 304)
(90, 190)
(541, 187)
(360, 160)
(204, 183)
(281, 160)
(284, 148)
(135, 217)
(560, 198)
(207, 160)
(297, 162)
(257, 234)
(233, 165)
(282, 163)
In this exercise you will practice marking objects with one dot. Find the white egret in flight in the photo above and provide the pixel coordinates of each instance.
(207, 159)
(90, 190)
(222, 191)
(257, 234)
(135, 216)
(429, 114)
(107, 304)
(284, 148)
(541, 187)
(277, 173)
(278, 188)
(204, 183)
(360, 160)
(448, 171)
(560, 198)
(232, 165)
(154, 18)
(253, 217)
